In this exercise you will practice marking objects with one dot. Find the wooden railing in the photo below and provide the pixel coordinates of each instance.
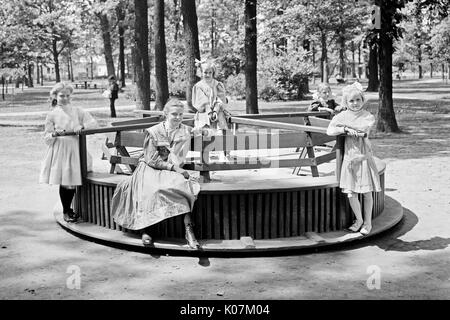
(274, 131)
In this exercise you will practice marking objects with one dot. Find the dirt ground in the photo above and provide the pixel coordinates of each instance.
(39, 258)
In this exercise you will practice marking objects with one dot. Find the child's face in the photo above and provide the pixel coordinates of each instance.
(208, 74)
(174, 116)
(324, 93)
(63, 97)
(355, 101)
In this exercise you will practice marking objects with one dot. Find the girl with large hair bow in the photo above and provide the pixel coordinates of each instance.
(359, 173)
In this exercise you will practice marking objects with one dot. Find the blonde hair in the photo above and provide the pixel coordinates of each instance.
(347, 91)
(58, 88)
(205, 65)
(173, 102)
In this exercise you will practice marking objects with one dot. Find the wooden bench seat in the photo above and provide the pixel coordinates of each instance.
(128, 146)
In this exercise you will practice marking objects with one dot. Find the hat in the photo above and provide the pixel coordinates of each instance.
(111, 78)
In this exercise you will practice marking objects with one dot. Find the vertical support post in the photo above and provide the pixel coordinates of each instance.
(83, 169)
(339, 155)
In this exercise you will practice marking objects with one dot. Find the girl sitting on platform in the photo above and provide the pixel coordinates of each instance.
(159, 187)
(61, 165)
(324, 100)
(359, 173)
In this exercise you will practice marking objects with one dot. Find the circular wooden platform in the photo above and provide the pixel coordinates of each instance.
(241, 211)
(390, 216)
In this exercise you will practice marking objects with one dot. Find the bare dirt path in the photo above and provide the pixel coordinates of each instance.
(38, 257)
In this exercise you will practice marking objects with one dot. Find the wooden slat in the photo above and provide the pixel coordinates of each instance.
(281, 214)
(243, 227)
(254, 141)
(226, 212)
(319, 122)
(302, 207)
(325, 158)
(130, 139)
(309, 210)
(101, 205)
(234, 216)
(259, 216)
(124, 160)
(266, 220)
(321, 204)
(251, 214)
(288, 215)
(274, 215)
(150, 120)
(295, 209)
(279, 125)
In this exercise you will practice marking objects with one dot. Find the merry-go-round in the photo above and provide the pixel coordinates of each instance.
(277, 192)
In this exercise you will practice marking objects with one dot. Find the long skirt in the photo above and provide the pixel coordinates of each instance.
(150, 196)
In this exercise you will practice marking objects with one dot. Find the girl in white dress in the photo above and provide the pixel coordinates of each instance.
(359, 173)
(61, 165)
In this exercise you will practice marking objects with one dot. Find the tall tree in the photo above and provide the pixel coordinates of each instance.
(251, 58)
(106, 35)
(162, 87)
(120, 13)
(373, 83)
(190, 29)
(141, 56)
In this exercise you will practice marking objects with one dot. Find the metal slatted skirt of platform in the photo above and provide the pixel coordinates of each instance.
(268, 211)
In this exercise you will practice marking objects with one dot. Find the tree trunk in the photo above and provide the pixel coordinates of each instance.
(373, 84)
(213, 31)
(190, 28)
(162, 87)
(68, 69)
(342, 69)
(324, 58)
(141, 57)
(106, 35)
(386, 121)
(120, 12)
(353, 60)
(419, 60)
(431, 70)
(177, 18)
(251, 59)
(56, 59)
(38, 77)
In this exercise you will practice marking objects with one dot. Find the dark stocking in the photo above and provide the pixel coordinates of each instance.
(66, 196)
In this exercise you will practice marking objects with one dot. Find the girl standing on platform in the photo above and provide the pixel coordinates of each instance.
(61, 165)
(159, 187)
(208, 98)
(359, 173)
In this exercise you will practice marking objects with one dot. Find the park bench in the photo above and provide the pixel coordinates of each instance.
(85, 84)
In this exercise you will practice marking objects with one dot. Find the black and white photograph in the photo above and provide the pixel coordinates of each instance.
(234, 157)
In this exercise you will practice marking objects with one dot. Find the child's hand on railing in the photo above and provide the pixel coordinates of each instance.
(57, 133)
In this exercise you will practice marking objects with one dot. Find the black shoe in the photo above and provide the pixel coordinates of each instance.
(68, 217)
(74, 215)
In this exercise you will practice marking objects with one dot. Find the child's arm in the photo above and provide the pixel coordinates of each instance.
(335, 127)
(50, 132)
(314, 106)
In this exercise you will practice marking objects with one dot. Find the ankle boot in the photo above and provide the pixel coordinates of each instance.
(190, 237)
